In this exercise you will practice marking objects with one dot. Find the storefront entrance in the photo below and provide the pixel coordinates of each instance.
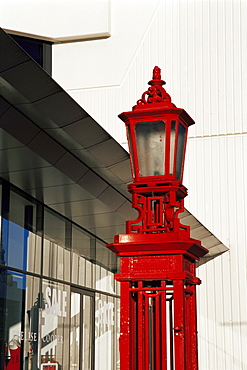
(48, 330)
(81, 330)
(58, 307)
(67, 328)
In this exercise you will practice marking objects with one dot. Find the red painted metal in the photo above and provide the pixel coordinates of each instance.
(157, 254)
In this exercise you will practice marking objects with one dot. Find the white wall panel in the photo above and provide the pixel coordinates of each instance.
(200, 46)
(222, 325)
(215, 174)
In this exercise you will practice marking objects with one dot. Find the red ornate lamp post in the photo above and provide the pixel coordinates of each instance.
(157, 256)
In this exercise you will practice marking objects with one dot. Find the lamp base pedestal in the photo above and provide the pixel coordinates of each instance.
(158, 300)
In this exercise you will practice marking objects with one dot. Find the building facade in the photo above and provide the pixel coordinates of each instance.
(59, 302)
(58, 305)
(102, 55)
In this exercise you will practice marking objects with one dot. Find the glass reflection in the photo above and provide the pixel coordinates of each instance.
(14, 287)
(180, 150)
(21, 246)
(36, 316)
(75, 323)
(87, 333)
(55, 321)
(172, 146)
(150, 140)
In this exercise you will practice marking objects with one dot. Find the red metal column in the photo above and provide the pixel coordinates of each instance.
(163, 326)
(146, 337)
(192, 319)
(140, 321)
(179, 325)
(126, 352)
(188, 327)
(171, 333)
(133, 330)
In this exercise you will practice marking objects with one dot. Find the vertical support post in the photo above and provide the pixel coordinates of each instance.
(147, 342)
(188, 327)
(171, 335)
(191, 317)
(158, 331)
(133, 332)
(179, 325)
(140, 340)
(163, 327)
(124, 344)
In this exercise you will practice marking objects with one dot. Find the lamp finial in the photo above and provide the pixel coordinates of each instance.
(156, 73)
(155, 93)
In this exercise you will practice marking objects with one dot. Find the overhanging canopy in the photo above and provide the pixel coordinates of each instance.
(53, 150)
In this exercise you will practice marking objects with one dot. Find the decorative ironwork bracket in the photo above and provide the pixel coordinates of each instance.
(157, 214)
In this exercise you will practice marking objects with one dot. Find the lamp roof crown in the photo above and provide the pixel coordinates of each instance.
(156, 94)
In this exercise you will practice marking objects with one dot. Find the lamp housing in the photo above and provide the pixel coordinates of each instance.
(157, 136)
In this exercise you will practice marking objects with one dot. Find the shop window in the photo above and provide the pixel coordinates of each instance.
(39, 50)
(57, 228)
(83, 243)
(82, 330)
(106, 332)
(56, 246)
(105, 257)
(20, 325)
(21, 244)
(55, 324)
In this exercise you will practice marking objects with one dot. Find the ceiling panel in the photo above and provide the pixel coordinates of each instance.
(93, 183)
(7, 141)
(30, 90)
(19, 126)
(122, 170)
(200, 232)
(46, 147)
(70, 166)
(12, 57)
(36, 178)
(86, 132)
(52, 105)
(78, 208)
(112, 198)
(99, 220)
(3, 106)
(60, 194)
(107, 153)
(19, 159)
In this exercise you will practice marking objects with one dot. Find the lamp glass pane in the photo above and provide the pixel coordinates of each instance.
(150, 140)
(180, 150)
(172, 145)
(131, 152)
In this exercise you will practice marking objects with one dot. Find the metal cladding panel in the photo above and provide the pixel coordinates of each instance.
(222, 316)
(12, 120)
(32, 92)
(201, 49)
(217, 197)
(85, 138)
(216, 176)
(61, 195)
